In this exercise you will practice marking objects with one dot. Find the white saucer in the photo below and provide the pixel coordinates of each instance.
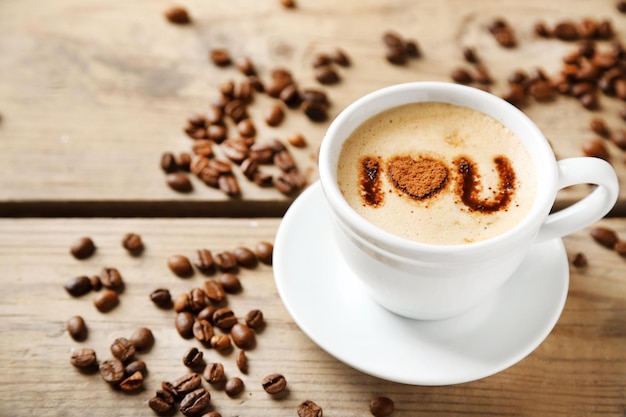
(330, 305)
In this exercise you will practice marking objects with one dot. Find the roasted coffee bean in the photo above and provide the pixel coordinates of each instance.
(246, 128)
(263, 179)
(236, 110)
(187, 383)
(245, 66)
(595, 148)
(132, 243)
(132, 383)
(168, 162)
(392, 39)
(315, 96)
(245, 257)
(207, 313)
(297, 140)
(340, 57)
(515, 94)
(235, 149)
(290, 182)
(203, 331)
(78, 286)
(284, 160)
(262, 153)
(326, 75)
(242, 336)
(309, 409)
(381, 406)
(123, 349)
(321, 59)
(254, 319)
(505, 37)
(180, 265)
(215, 413)
(619, 139)
(316, 112)
(234, 386)
(580, 260)
(77, 328)
(106, 301)
(111, 279)
(136, 366)
(589, 101)
(197, 300)
(203, 147)
(288, 4)
(195, 402)
(83, 248)
(604, 236)
(264, 251)
(214, 373)
(181, 302)
(162, 298)
(620, 248)
(396, 55)
(542, 91)
(461, 76)
(243, 91)
(193, 358)
(242, 362)
(274, 115)
(142, 339)
(470, 55)
(183, 161)
(291, 96)
(203, 260)
(226, 261)
(224, 318)
(184, 324)
(249, 167)
(96, 284)
(227, 183)
(198, 163)
(177, 15)
(599, 126)
(112, 371)
(220, 342)
(178, 181)
(84, 358)
(161, 403)
(220, 57)
(274, 383)
(214, 291)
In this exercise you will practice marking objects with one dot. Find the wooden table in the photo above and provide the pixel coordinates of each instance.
(92, 92)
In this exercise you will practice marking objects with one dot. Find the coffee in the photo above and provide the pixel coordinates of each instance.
(437, 173)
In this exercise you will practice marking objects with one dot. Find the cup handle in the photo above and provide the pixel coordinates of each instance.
(593, 207)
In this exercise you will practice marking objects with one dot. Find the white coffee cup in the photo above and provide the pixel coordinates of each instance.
(426, 281)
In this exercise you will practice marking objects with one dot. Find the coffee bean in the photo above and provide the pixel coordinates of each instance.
(136, 366)
(249, 167)
(215, 413)
(112, 371)
(315, 96)
(326, 75)
(284, 160)
(230, 283)
(132, 243)
(620, 248)
(381, 406)
(396, 56)
(618, 137)
(84, 358)
(220, 342)
(340, 57)
(106, 301)
(542, 91)
(203, 331)
(228, 184)
(132, 383)
(291, 96)
(220, 57)
(83, 248)
(161, 403)
(461, 76)
(187, 383)
(197, 300)
(111, 279)
(169, 389)
(202, 147)
(78, 286)
(226, 261)
(142, 339)
(242, 336)
(181, 302)
(183, 161)
(184, 324)
(213, 373)
(242, 362)
(193, 358)
(245, 66)
(246, 128)
(599, 126)
(203, 260)
(264, 251)
(245, 257)
(308, 408)
(214, 291)
(288, 4)
(123, 349)
(589, 101)
(595, 148)
(224, 318)
(96, 284)
(178, 181)
(177, 15)
(207, 313)
(162, 298)
(254, 319)
(297, 140)
(195, 402)
(180, 265)
(234, 386)
(316, 112)
(274, 383)
(274, 115)
(77, 328)
(580, 260)
(604, 236)
(168, 162)
(236, 110)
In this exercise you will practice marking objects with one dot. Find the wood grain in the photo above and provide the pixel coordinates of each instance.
(92, 92)
(579, 370)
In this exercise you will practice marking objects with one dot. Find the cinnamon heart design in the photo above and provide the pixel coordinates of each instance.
(419, 178)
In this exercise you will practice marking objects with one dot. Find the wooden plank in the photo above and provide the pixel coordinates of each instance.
(94, 91)
(579, 370)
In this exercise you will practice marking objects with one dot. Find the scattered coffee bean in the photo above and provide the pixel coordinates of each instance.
(213, 373)
(604, 236)
(234, 386)
(224, 318)
(316, 112)
(106, 301)
(96, 284)
(162, 298)
(220, 57)
(203, 260)
(77, 328)
(274, 115)
(595, 148)
(599, 126)
(132, 383)
(341, 58)
(178, 181)
(461, 76)
(396, 56)
(197, 300)
(207, 313)
(132, 243)
(228, 184)
(162, 402)
(254, 319)
(246, 128)
(620, 248)
(112, 371)
(308, 408)
(78, 286)
(184, 324)
(245, 257)
(177, 15)
(83, 248)
(203, 331)
(136, 366)
(274, 383)
(220, 342)
(195, 402)
(111, 279)
(230, 283)
(288, 4)
(225, 261)
(180, 265)
(187, 383)
(242, 336)
(123, 349)
(245, 66)
(212, 414)
(580, 260)
(214, 291)
(618, 137)
(381, 406)
(193, 358)
(84, 358)
(142, 339)
(326, 75)
(242, 362)
(182, 303)
(263, 251)
(183, 161)
(297, 140)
